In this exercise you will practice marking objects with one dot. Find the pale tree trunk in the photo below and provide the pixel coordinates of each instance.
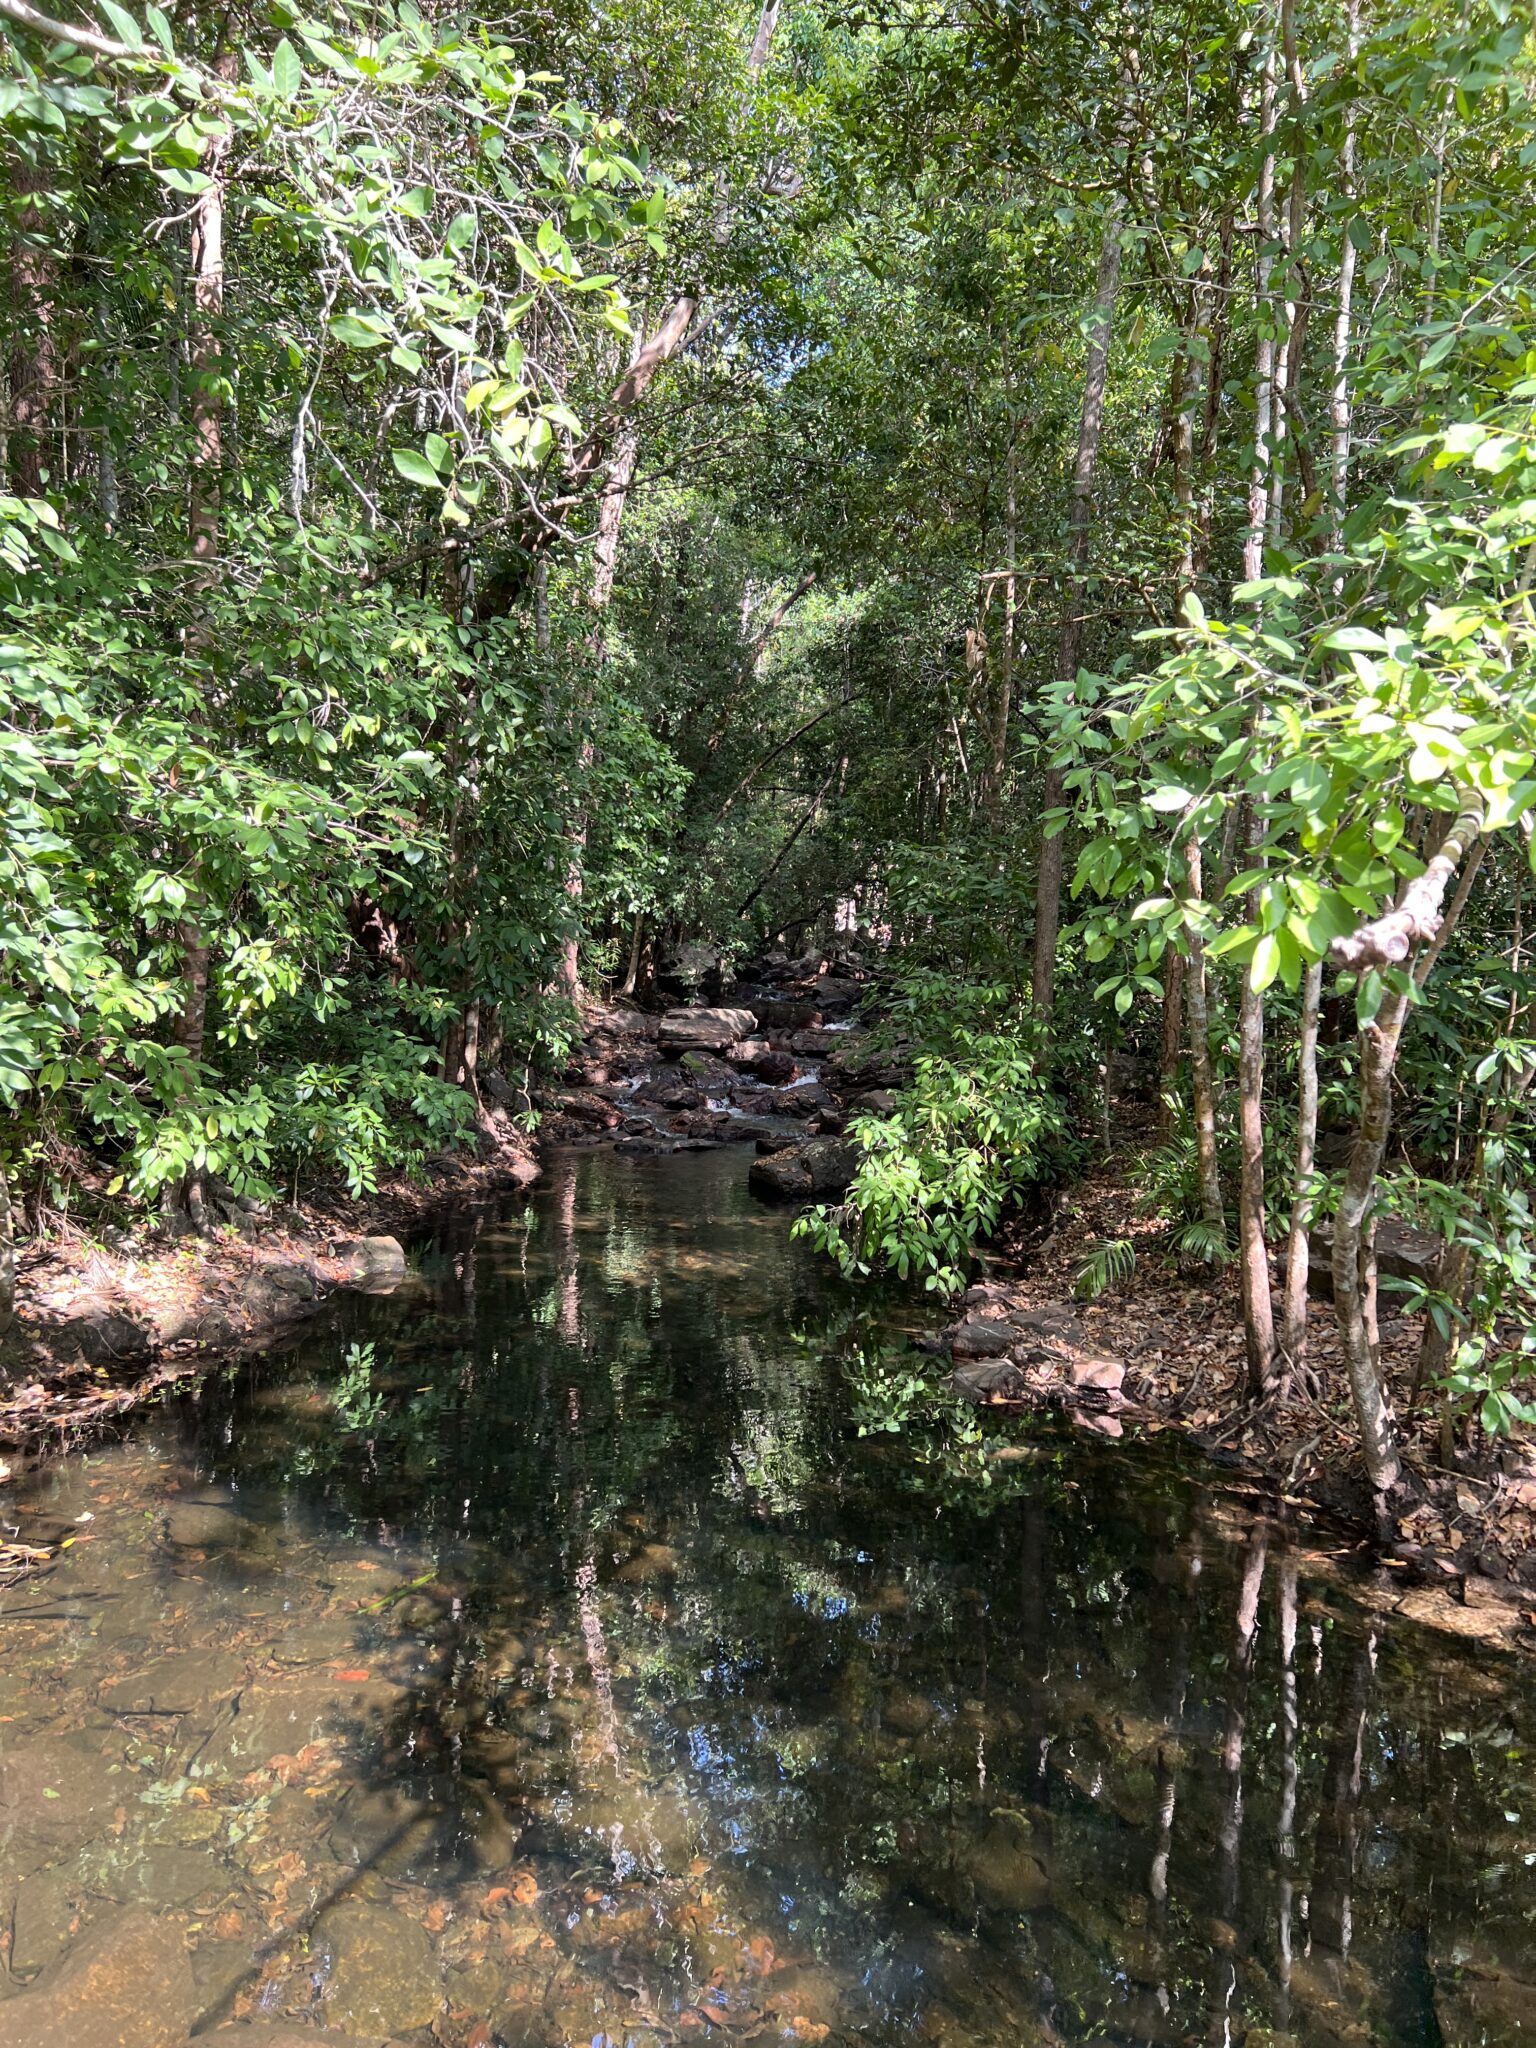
(1264, 354)
(1238, 1685)
(1298, 1250)
(1288, 357)
(1386, 941)
(204, 497)
(1290, 1725)
(1203, 1085)
(1339, 406)
(1069, 646)
(1003, 704)
(605, 556)
(1253, 1246)
(33, 365)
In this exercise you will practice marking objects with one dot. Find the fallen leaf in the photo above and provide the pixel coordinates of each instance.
(350, 1677)
(435, 1918)
(525, 1888)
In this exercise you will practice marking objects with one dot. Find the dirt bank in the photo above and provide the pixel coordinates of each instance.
(1163, 1352)
(104, 1323)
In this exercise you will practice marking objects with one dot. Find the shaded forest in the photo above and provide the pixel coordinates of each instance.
(507, 513)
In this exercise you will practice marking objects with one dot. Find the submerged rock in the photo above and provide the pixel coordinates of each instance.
(383, 1979)
(126, 1984)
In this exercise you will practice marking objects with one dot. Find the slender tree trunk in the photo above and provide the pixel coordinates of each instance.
(1264, 355)
(204, 495)
(1213, 1208)
(605, 557)
(1070, 642)
(1298, 1251)
(7, 1255)
(34, 359)
(1172, 1046)
(1253, 1241)
(1339, 406)
(1415, 919)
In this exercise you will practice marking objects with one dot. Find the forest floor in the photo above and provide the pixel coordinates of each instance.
(1464, 1540)
(106, 1320)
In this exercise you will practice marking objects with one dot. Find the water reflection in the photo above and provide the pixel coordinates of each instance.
(541, 1656)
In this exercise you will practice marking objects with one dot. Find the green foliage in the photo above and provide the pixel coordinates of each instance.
(976, 1126)
(1108, 1262)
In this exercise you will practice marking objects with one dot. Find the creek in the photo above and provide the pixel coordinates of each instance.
(543, 1655)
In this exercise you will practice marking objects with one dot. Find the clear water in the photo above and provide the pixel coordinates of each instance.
(542, 1656)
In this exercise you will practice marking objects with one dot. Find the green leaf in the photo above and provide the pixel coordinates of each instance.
(128, 30)
(415, 468)
(287, 71)
(1265, 964)
(359, 332)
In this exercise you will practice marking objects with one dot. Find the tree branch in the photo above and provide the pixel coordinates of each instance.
(1415, 919)
(65, 32)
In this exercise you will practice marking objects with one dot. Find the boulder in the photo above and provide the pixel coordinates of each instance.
(701, 1030)
(989, 1379)
(980, 1337)
(778, 1015)
(778, 1069)
(1402, 1252)
(374, 1265)
(100, 1334)
(708, 1072)
(813, 1044)
(818, 1170)
(1095, 1375)
(746, 1052)
(125, 1984)
(279, 1288)
(874, 1102)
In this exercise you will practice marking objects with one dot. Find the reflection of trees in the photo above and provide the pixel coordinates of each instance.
(1011, 1733)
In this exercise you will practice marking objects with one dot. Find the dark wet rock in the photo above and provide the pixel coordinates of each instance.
(103, 1335)
(990, 1379)
(1053, 1323)
(701, 1030)
(776, 1069)
(701, 1123)
(279, 1288)
(125, 1984)
(382, 1978)
(638, 1148)
(816, 1044)
(668, 1092)
(818, 1170)
(874, 1102)
(980, 1337)
(781, 1013)
(714, 1076)
(1003, 1867)
(374, 1265)
(906, 1713)
(620, 1022)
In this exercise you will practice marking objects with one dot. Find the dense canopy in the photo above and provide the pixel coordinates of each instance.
(505, 508)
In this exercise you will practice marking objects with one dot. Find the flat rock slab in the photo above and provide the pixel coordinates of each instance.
(686, 1030)
(126, 1984)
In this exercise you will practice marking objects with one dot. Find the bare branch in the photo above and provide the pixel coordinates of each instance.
(1415, 918)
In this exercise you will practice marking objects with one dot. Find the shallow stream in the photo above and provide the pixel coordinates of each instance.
(542, 1655)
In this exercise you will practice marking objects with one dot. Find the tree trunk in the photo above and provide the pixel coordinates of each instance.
(1213, 1208)
(1258, 1308)
(34, 363)
(203, 510)
(1298, 1251)
(1339, 408)
(1264, 354)
(1415, 919)
(1172, 1046)
(1070, 641)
